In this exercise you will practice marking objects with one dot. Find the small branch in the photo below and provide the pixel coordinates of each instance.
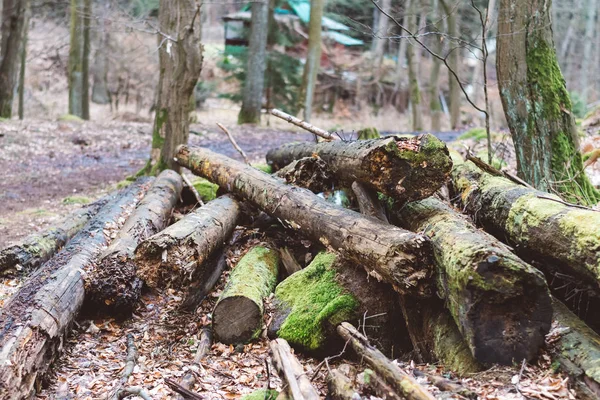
(233, 142)
(493, 171)
(192, 188)
(134, 391)
(302, 124)
(130, 362)
(566, 204)
(177, 388)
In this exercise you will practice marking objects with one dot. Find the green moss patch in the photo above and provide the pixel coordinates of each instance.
(262, 394)
(206, 189)
(263, 167)
(314, 299)
(69, 118)
(475, 133)
(76, 200)
(368, 133)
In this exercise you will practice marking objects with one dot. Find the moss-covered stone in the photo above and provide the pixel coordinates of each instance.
(315, 301)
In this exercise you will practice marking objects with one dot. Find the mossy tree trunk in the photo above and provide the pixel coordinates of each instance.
(313, 58)
(413, 70)
(76, 59)
(537, 104)
(14, 22)
(257, 62)
(180, 60)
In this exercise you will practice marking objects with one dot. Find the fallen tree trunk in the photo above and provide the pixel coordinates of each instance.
(175, 255)
(238, 315)
(399, 257)
(309, 305)
(403, 168)
(539, 225)
(311, 173)
(291, 372)
(390, 372)
(34, 323)
(500, 304)
(201, 287)
(340, 387)
(373, 384)
(577, 349)
(39, 247)
(368, 202)
(113, 285)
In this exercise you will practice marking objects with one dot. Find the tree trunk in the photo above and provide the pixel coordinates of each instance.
(35, 322)
(501, 304)
(389, 253)
(14, 21)
(381, 30)
(23, 56)
(113, 283)
(390, 372)
(202, 286)
(586, 67)
(291, 372)
(40, 247)
(451, 10)
(238, 315)
(85, 60)
(180, 61)
(540, 119)
(538, 225)
(177, 254)
(576, 347)
(368, 203)
(100, 93)
(413, 71)
(75, 60)
(313, 58)
(435, 106)
(403, 168)
(257, 62)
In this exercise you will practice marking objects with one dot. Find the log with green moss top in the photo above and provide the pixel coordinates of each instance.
(403, 168)
(389, 253)
(113, 284)
(39, 247)
(500, 304)
(368, 133)
(176, 255)
(238, 315)
(537, 224)
(576, 348)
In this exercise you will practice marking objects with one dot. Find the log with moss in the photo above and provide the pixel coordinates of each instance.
(311, 173)
(403, 168)
(576, 348)
(35, 321)
(238, 315)
(39, 247)
(389, 253)
(540, 226)
(500, 304)
(298, 385)
(174, 256)
(390, 372)
(309, 305)
(113, 285)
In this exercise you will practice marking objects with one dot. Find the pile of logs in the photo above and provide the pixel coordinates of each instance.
(402, 256)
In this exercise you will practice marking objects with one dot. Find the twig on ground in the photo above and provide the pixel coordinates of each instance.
(130, 361)
(302, 124)
(187, 394)
(192, 188)
(234, 143)
(134, 391)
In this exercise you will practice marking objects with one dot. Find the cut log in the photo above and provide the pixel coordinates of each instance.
(403, 168)
(340, 387)
(34, 323)
(539, 225)
(309, 305)
(500, 304)
(113, 284)
(399, 257)
(390, 372)
(291, 372)
(200, 288)
(311, 173)
(577, 349)
(172, 257)
(238, 315)
(39, 247)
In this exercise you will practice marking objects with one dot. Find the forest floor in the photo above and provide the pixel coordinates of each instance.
(47, 169)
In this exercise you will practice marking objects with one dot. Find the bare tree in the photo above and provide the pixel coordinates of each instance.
(413, 73)
(381, 30)
(75, 60)
(313, 59)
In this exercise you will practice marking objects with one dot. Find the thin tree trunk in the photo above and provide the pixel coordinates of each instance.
(540, 119)
(85, 60)
(435, 106)
(257, 62)
(180, 63)
(100, 93)
(75, 60)
(23, 64)
(381, 29)
(453, 61)
(14, 21)
(413, 72)
(586, 69)
(313, 59)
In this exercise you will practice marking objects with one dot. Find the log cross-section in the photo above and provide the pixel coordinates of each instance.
(394, 255)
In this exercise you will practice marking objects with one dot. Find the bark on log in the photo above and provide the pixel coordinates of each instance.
(373, 383)
(291, 372)
(311, 173)
(539, 225)
(199, 289)
(113, 284)
(33, 325)
(368, 202)
(500, 304)
(309, 305)
(340, 386)
(172, 257)
(238, 315)
(403, 168)
(391, 373)
(399, 257)
(577, 348)
(40, 247)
